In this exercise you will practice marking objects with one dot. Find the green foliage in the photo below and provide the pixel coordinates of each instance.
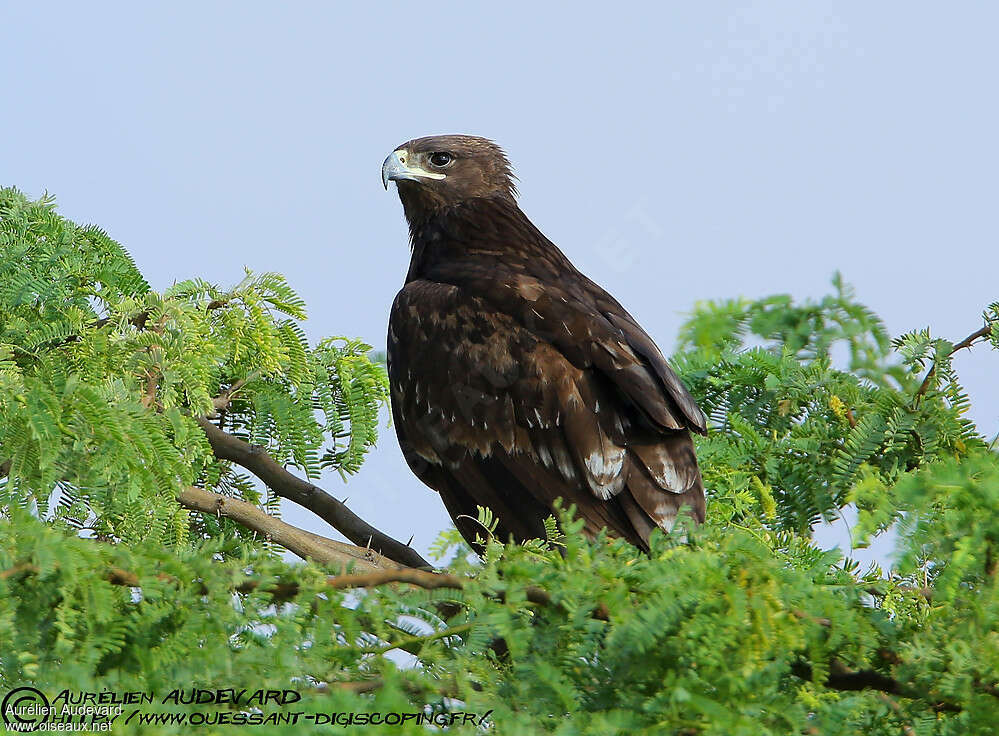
(101, 380)
(740, 626)
(791, 425)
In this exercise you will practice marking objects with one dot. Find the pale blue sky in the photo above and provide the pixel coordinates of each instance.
(675, 151)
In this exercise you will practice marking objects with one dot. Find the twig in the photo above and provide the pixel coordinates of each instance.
(851, 417)
(965, 343)
(24, 567)
(358, 687)
(119, 576)
(448, 689)
(420, 578)
(153, 374)
(972, 338)
(433, 581)
(843, 679)
(139, 319)
(149, 395)
(924, 592)
(906, 728)
(223, 400)
(409, 643)
(805, 616)
(304, 544)
(312, 497)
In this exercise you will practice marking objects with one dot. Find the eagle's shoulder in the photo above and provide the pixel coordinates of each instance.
(562, 307)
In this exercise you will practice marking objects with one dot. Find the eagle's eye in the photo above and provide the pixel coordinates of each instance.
(440, 159)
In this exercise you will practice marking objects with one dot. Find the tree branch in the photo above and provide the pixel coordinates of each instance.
(906, 728)
(840, 677)
(152, 384)
(843, 679)
(4, 469)
(222, 401)
(153, 374)
(304, 544)
(312, 497)
(413, 644)
(965, 343)
(447, 688)
(420, 578)
(25, 567)
(139, 319)
(433, 581)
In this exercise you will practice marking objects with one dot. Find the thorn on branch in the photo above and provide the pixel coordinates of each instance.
(965, 343)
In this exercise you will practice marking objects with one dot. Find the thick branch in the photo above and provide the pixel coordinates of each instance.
(312, 497)
(965, 343)
(302, 543)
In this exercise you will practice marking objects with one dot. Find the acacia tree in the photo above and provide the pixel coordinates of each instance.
(146, 438)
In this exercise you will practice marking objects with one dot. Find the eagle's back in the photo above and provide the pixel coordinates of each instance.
(517, 381)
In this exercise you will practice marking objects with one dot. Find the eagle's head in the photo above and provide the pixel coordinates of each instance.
(443, 170)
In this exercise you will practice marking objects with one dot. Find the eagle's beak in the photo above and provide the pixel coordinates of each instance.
(396, 168)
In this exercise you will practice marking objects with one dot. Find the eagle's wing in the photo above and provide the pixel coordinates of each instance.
(510, 393)
(588, 326)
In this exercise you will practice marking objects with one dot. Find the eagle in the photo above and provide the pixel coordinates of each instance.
(516, 381)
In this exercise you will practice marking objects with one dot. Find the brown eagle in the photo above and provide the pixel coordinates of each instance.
(515, 379)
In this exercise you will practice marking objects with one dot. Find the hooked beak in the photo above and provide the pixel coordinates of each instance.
(395, 168)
